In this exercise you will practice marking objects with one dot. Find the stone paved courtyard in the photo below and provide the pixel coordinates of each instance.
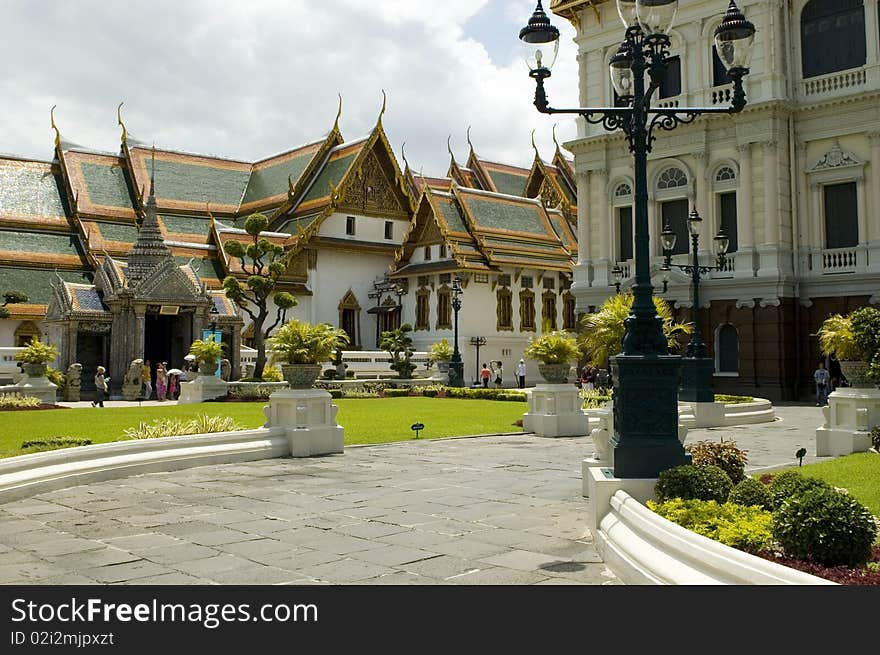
(494, 510)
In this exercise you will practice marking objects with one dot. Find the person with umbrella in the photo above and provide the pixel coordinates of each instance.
(174, 377)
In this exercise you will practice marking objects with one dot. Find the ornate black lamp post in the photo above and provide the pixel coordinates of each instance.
(646, 376)
(214, 314)
(477, 341)
(697, 367)
(617, 274)
(456, 366)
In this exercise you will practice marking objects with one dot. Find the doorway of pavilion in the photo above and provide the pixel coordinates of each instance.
(167, 338)
(350, 319)
(92, 351)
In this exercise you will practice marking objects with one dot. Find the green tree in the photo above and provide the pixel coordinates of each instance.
(11, 298)
(261, 261)
(399, 345)
(602, 334)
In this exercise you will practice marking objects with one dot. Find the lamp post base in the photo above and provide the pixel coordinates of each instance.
(646, 440)
(696, 380)
(456, 373)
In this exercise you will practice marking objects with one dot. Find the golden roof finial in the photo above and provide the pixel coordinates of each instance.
(382, 112)
(338, 114)
(403, 155)
(290, 186)
(537, 154)
(471, 145)
(119, 118)
(449, 147)
(208, 210)
(554, 137)
(55, 127)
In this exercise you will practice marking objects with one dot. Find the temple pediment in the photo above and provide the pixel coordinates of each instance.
(170, 283)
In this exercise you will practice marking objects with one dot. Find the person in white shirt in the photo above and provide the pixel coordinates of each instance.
(521, 374)
(822, 378)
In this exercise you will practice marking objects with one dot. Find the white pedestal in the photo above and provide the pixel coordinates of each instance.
(555, 411)
(39, 387)
(309, 419)
(705, 415)
(601, 485)
(850, 416)
(204, 387)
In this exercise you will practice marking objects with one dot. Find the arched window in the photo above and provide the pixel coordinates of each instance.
(623, 191)
(832, 36)
(725, 174)
(727, 351)
(672, 178)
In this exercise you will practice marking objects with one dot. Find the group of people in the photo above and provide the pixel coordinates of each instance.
(594, 378)
(492, 371)
(167, 384)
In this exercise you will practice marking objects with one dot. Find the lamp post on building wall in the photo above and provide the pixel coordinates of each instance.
(617, 275)
(646, 376)
(697, 367)
(456, 366)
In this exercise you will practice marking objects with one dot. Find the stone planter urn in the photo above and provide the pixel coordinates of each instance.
(443, 366)
(33, 370)
(856, 373)
(208, 368)
(300, 376)
(554, 373)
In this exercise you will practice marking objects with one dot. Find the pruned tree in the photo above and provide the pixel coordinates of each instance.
(261, 262)
(399, 345)
(11, 298)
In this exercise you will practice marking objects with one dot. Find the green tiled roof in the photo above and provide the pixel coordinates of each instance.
(37, 283)
(506, 216)
(210, 267)
(25, 242)
(28, 191)
(332, 172)
(513, 185)
(292, 226)
(194, 183)
(509, 243)
(452, 216)
(118, 232)
(187, 224)
(106, 185)
(272, 180)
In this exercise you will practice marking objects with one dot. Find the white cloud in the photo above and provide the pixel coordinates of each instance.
(247, 80)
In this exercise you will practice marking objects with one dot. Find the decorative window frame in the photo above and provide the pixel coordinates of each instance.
(527, 323)
(444, 292)
(549, 297)
(836, 166)
(568, 298)
(426, 294)
(503, 298)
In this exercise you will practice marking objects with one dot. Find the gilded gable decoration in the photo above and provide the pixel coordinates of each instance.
(370, 189)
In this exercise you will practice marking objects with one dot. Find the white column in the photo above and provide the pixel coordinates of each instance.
(769, 248)
(702, 202)
(817, 222)
(871, 27)
(803, 244)
(873, 235)
(602, 212)
(583, 212)
(744, 201)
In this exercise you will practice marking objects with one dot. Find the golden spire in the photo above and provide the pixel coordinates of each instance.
(338, 114)
(403, 155)
(119, 119)
(382, 112)
(537, 154)
(55, 127)
(449, 147)
(471, 145)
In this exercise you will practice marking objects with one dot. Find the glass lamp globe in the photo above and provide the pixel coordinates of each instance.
(621, 71)
(627, 11)
(540, 41)
(668, 238)
(695, 223)
(722, 242)
(656, 16)
(734, 38)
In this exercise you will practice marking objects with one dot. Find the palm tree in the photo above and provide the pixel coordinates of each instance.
(602, 332)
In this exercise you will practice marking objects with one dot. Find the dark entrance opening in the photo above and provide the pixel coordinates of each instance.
(167, 338)
(92, 350)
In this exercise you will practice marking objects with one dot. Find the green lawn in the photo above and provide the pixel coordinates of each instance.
(368, 420)
(859, 473)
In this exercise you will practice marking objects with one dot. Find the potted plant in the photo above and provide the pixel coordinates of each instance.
(441, 354)
(302, 347)
(854, 340)
(207, 354)
(555, 351)
(35, 358)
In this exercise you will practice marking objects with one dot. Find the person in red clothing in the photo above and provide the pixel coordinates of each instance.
(485, 376)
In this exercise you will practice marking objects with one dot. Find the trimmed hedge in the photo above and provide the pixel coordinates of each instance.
(746, 528)
(693, 482)
(726, 455)
(789, 484)
(51, 443)
(750, 492)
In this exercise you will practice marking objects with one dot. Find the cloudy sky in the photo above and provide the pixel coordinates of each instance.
(249, 78)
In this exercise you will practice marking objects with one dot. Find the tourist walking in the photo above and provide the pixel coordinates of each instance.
(173, 386)
(485, 376)
(822, 378)
(521, 374)
(161, 381)
(498, 373)
(100, 387)
(148, 376)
